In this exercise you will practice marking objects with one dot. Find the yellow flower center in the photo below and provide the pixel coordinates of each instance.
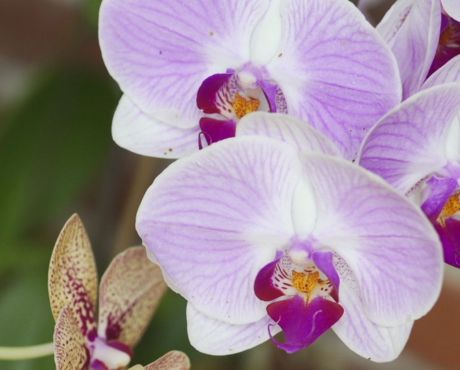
(243, 106)
(305, 282)
(451, 208)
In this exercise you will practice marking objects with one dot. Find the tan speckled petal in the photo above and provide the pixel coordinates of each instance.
(130, 291)
(70, 351)
(72, 275)
(174, 360)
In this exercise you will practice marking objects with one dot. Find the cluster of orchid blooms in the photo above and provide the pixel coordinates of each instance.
(129, 293)
(318, 186)
(319, 180)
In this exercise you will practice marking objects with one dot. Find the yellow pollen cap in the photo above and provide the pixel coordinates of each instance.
(451, 207)
(305, 283)
(243, 106)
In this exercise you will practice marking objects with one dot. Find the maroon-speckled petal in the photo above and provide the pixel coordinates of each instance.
(303, 323)
(131, 289)
(72, 275)
(70, 351)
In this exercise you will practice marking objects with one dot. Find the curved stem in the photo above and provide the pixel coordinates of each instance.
(25, 353)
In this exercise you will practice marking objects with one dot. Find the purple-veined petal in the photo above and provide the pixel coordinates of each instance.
(385, 239)
(216, 337)
(72, 275)
(69, 342)
(358, 332)
(291, 130)
(173, 360)
(450, 238)
(449, 72)
(334, 70)
(214, 219)
(411, 141)
(131, 289)
(161, 51)
(141, 134)
(452, 8)
(303, 323)
(412, 28)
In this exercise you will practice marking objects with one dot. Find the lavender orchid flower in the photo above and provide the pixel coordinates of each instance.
(416, 148)
(130, 291)
(425, 38)
(191, 70)
(260, 237)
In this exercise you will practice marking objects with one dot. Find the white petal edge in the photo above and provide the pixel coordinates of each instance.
(291, 130)
(449, 72)
(218, 338)
(452, 7)
(357, 332)
(135, 131)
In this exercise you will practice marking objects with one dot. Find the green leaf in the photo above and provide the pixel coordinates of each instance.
(51, 146)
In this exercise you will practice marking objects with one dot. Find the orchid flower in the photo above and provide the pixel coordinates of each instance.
(416, 148)
(260, 237)
(129, 293)
(425, 38)
(191, 70)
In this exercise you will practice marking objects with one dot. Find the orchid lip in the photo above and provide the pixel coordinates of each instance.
(302, 286)
(225, 98)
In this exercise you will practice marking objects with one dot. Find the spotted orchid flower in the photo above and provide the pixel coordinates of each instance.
(129, 292)
(260, 237)
(416, 148)
(425, 38)
(191, 70)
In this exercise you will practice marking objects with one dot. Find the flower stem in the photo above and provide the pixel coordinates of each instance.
(25, 353)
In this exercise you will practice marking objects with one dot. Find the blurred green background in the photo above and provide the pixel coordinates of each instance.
(57, 157)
